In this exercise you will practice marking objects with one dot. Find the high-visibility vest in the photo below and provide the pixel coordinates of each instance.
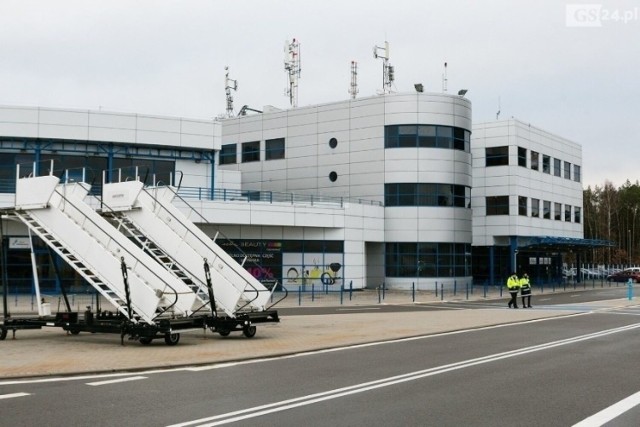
(524, 283)
(513, 282)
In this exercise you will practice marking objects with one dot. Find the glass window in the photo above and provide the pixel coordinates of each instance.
(427, 259)
(407, 136)
(274, 149)
(497, 205)
(445, 137)
(228, 154)
(534, 160)
(426, 136)
(522, 157)
(577, 211)
(567, 213)
(497, 156)
(458, 139)
(535, 208)
(557, 211)
(407, 194)
(251, 151)
(546, 164)
(427, 194)
(546, 209)
(557, 167)
(522, 206)
(567, 170)
(576, 173)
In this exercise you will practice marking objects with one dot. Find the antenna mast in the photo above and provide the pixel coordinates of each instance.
(444, 79)
(498, 113)
(388, 72)
(354, 80)
(228, 85)
(292, 67)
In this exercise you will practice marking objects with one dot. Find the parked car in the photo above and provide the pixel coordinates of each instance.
(625, 275)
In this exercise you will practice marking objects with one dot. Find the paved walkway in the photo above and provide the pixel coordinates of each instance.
(50, 351)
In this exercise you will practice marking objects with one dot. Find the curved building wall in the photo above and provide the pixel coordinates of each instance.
(343, 149)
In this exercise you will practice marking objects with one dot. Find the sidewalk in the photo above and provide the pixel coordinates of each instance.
(51, 351)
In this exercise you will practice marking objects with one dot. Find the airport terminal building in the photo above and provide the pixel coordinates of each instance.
(398, 189)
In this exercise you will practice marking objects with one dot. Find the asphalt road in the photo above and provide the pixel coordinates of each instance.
(552, 372)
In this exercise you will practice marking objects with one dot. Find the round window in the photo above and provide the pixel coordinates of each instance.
(333, 143)
(333, 176)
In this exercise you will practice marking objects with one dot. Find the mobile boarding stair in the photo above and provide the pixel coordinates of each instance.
(150, 302)
(148, 217)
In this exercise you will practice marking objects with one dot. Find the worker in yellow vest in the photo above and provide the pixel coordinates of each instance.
(525, 290)
(513, 285)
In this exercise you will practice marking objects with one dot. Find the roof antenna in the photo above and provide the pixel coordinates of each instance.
(444, 79)
(228, 85)
(353, 90)
(498, 113)
(388, 72)
(292, 67)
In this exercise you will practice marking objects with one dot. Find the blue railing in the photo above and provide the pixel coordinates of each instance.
(221, 194)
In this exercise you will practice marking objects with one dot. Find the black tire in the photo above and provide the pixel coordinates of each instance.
(224, 332)
(74, 332)
(145, 340)
(249, 331)
(3, 334)
(171, 339)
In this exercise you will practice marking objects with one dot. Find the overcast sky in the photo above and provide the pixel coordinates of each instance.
(168, 57)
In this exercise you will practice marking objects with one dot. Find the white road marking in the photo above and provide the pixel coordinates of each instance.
(119, 380)
(12, 395)
(611, 412)
(284, 405)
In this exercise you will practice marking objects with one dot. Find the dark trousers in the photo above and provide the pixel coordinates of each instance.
(526, 295)
(514, 298)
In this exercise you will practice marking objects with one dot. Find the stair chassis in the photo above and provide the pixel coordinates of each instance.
(167, 329)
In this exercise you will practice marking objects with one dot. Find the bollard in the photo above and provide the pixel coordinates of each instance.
(436, 289)
(467, 285)
(313, 292)
(413, 291)
(383, 290)
(350, 290)
(299, 295)
(455, 287)
(630, 290)
(378, 294)
(341, 292)
(441, 291)
(485, 289)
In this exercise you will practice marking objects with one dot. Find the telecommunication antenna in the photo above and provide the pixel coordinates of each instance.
(444, 79)
(229, 84)
(292, 67)
(498, 113)
(388, 72)
(353, 90)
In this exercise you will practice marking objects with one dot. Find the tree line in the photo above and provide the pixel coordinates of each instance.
(613, 214)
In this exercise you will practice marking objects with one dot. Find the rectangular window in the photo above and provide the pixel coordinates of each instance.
(567, 213)
(546, 164)
(522, 206)
(497, 156)
(534, 160)
(458, 139)
(228, 154)
(535, 208)
(497, 205)
(577, 211)
(576, 173)
(557, 211)
(251, 151)
(522, 157)
(274, 149)
(407, 135)
(445, 137)
(567, 170)
(427, 136)
(557, 167)
(546, 209)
